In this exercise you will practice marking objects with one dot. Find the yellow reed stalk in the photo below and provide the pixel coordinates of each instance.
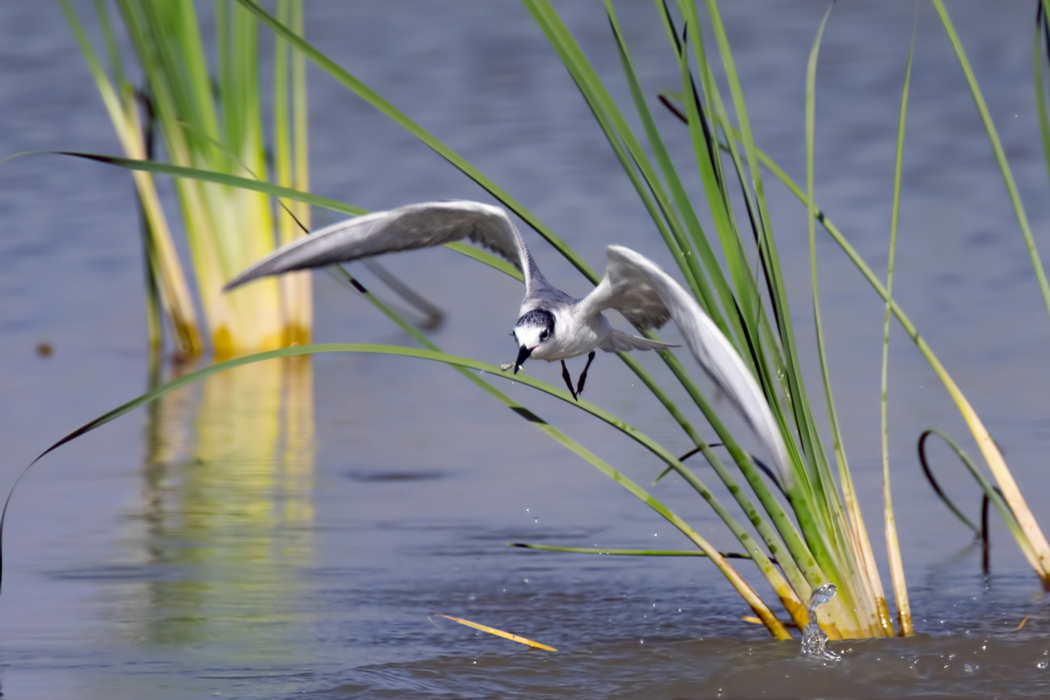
(290, 166)
(123, 113)
(171, 281)
(900, 588)
(499, 633)
(1039, 555)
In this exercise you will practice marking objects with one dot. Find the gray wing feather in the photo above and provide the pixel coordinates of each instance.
(629, 290)
(405, 228)
(635, 285)
(617, 341)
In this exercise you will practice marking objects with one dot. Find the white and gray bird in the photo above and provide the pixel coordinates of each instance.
(551, 324)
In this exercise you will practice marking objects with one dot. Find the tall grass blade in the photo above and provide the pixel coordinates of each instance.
(621, 138)
(625, 552)
(753, 192)
(681, 199)
(1008, 180)
(869, 578)
(289, 168)
(808, 518)
(1041, 50)
(810, 511)
(705, 152)
(900, 588)
(815, 537)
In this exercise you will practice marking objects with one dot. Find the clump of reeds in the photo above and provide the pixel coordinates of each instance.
(210, 118)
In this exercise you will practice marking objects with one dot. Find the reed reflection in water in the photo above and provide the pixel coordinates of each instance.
(228, 505)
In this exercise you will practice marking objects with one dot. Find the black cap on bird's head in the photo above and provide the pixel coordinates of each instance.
(532, 330)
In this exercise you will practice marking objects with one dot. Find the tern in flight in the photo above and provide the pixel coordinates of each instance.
(551, 324)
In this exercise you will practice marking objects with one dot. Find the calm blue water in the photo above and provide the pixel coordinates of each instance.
(221, 546)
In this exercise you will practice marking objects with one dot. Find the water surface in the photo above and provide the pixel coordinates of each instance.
(290, 530)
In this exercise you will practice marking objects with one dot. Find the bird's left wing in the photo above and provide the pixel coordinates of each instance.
(647, 296)
(405, 228)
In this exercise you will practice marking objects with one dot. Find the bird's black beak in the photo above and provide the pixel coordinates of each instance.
(523, 354)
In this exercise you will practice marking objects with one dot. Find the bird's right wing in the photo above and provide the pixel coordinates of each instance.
(636, 287)
(405, 228)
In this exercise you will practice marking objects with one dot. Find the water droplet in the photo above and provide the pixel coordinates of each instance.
(526, 580)
(969, 668)
(471, 596)
(1042, 665)
(813, 638)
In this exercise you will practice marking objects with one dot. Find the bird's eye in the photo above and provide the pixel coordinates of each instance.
(544, 334)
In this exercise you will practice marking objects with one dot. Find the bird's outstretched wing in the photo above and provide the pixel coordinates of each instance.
(647, 296)
(405, 228)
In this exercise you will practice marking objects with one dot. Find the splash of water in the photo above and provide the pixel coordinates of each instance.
(813, 638)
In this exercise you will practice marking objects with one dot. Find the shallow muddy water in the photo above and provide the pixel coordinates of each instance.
(292, 530)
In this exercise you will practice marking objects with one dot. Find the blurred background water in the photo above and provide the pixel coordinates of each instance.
(288, 530)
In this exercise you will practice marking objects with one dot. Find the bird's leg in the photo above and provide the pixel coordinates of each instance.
(583, 374)
(568, 379)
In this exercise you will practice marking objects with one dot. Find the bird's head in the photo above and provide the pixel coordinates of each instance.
(531, 331)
